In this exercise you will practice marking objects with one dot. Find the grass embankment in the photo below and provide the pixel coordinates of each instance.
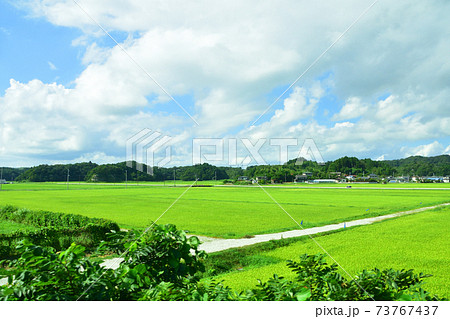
(228, 212)
(7, 227)
(418, 242)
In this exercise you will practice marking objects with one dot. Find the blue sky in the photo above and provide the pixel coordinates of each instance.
(29, 45)
(69, 93)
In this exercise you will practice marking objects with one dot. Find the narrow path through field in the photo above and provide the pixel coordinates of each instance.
(210, 244)
(217, 244)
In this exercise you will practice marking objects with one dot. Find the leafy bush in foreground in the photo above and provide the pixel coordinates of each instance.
(164, 264)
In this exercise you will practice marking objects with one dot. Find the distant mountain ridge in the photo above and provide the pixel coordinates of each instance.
(118, 172)
(440, 159)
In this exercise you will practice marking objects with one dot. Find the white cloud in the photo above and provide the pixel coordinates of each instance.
(95, 157)
(297, 106)
(5, 31)
(48, 121)
(95, 54)
(35, 119)
(391, 109)
(381, 130)
(52, 66)
(353, 108)
(432, 149)
(226, 57)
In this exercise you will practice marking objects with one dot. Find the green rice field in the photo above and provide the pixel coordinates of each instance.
(228, 212)
(169, 183)
(418, 242)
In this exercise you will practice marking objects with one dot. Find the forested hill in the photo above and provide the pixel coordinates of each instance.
(10, 173)
(57, 172)
(414, 165)
(119, 172)
(420, 165)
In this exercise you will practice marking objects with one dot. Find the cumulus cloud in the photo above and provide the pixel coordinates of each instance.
(45, 121)
(432, 149)
(299, 105)
(221, 61)
(353, 108)
(35, 119)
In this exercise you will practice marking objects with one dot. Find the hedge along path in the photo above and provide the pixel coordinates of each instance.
(211, 245)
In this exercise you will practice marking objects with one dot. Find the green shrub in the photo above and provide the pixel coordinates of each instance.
(51, 219)
(55, 229)
(164, 264)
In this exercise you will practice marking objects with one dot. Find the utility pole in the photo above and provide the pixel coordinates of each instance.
(68, 179)
(174, 177)
(215, 177)
(1, 178)
(126, 178)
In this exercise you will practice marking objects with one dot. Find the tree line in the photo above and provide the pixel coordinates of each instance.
(120, 172)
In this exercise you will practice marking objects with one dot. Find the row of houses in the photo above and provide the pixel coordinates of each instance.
(432, 179)
(342, 178)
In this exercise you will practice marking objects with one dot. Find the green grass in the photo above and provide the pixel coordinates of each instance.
(418, 242)
(228, 212)
(374, 185)
(132, 184)
(7, 227)
(84, 185)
